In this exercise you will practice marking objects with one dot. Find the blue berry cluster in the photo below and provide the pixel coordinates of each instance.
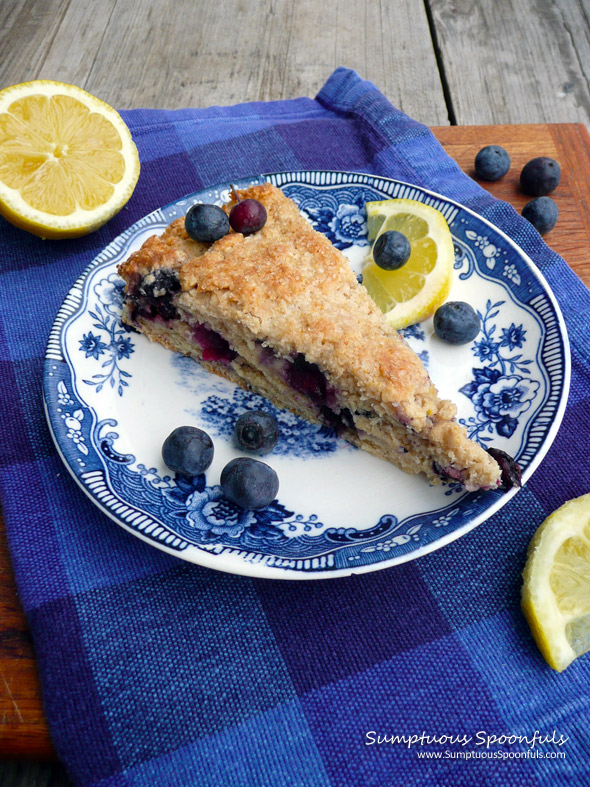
(246, 482)
(208, 223)
(539, 177)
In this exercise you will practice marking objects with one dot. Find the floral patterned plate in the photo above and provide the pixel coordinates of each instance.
(112, 397)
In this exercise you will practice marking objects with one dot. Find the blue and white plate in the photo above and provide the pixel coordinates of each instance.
(112, 397)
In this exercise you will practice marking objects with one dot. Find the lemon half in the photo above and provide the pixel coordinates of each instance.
(556, 590)
(67, 159)
(415, 291)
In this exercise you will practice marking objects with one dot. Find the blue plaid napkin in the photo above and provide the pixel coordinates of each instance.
(158, 672)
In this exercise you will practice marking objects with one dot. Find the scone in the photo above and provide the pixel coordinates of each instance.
(280, 312)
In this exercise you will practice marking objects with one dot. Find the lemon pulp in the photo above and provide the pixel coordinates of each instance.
(413, 292)
(67, 160)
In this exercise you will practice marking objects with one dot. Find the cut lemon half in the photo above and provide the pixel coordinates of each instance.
(415, 291)
(67, 160)
(556, 590)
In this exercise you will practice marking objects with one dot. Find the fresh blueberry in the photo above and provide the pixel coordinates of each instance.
(492, 163)
(249, 483)
(206, 223)
(188, 451)
(247, 216)
(257, 431)
(456, 322)
(540, 176)
(542, 212)
(359, 278)
(391, 250)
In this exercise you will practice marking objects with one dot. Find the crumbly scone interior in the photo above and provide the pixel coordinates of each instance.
(296, 327)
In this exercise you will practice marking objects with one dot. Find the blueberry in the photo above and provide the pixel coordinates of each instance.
(188, 451)
(540, 176)
(247, 216)
(511, 473)
(158, 283)
(206, 223)
(391, 250)
(155, 291)
(492, 163)
(456, 322)
(257, 431)
(542, 213)
(249, 483)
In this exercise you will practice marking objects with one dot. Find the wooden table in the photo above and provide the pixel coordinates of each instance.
(452, 65)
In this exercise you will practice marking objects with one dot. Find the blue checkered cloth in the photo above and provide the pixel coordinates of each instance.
(159, 672)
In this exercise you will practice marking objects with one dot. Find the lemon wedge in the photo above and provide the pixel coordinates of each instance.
(415, 291)
(556, 590)
(67, 160)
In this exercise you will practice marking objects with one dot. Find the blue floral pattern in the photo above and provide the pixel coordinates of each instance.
(113, 341)
(500, 391)
(340, 215)
(416, 333)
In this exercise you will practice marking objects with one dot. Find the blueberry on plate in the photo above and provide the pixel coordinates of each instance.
(206, 223)
(188, 451)
(391, 250)
(511, 477)
(542, 213)
(492, 163)
(456, 322)
(256, 430)
(247, 216)
(249, 483)
(540, 176)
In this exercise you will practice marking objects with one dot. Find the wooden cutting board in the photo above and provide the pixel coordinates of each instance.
(23, 729)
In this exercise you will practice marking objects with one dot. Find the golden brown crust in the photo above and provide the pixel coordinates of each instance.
(171, 249)
(287, 287)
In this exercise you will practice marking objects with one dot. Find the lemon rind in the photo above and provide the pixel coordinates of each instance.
(539, 605)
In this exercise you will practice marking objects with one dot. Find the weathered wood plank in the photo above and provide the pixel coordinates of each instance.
(77, 42)
(198, 53)
(515, 61)
(23, 727)
(28, 774)
(27, 29)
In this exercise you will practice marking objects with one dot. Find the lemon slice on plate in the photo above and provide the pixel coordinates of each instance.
(556, 590)
(67, 160)
(415, 291)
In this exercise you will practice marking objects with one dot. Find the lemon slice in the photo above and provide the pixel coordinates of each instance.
(415, 291)
(67, 160)
(556, 590)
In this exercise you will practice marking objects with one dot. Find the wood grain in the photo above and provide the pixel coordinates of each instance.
(514, 61)
(134, 53)
(23, 729)
(569, 144)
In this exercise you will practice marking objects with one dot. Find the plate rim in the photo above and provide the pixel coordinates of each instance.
(198, 556)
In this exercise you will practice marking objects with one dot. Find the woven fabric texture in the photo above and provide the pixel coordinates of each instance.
(159, 672)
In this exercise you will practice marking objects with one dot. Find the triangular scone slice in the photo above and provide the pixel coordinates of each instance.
(281, 312)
